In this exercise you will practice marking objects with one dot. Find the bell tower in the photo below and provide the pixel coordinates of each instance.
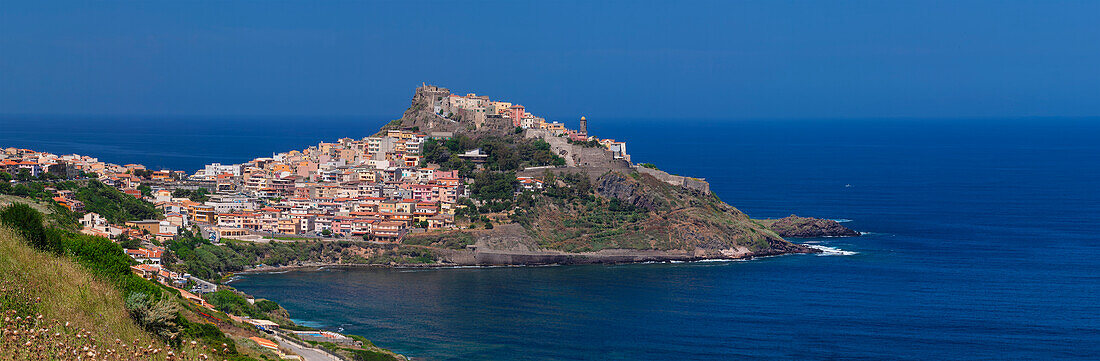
(584, 126)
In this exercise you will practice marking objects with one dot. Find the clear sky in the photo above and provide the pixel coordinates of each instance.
(562, 59)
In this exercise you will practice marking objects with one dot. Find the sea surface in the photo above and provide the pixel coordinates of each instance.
(982, 243)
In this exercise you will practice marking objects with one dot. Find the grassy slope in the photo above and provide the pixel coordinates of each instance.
(81, 313)
(679, 219)
(73, 307)
(69, 292)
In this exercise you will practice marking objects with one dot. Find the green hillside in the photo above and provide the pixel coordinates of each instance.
(68, 296)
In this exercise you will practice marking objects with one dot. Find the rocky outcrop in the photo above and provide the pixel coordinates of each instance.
(422, 115)
(615, 185)
(805, 227)
(686, 182)
(676, 218)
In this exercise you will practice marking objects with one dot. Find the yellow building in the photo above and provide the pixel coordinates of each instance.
(280, 167)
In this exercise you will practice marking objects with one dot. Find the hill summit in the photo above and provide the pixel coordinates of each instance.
(594, 206)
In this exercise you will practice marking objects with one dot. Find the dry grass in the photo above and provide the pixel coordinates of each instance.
(6, 200)
(69, 292)
(52, 309)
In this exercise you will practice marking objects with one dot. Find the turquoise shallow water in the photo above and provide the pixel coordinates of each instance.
(983, 245)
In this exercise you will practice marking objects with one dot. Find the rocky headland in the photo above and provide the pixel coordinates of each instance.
(804, 227)
(597, 208)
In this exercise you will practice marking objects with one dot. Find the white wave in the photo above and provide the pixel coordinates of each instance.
(831, 251)
(842, 220)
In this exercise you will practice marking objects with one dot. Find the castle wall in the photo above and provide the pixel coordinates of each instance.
(686, 182)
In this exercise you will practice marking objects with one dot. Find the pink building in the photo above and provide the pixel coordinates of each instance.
(306, 169)
(516, 112)
(423, 193)
(445, 174)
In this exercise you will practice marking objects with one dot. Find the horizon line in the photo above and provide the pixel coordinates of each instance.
(643, 118)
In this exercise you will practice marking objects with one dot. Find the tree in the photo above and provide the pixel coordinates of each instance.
(146, 190)
(198, 195)
(116, 206)
(494, 185)
(23, 175)
(129, 243)
(326, 233)
(143, 173)
(5, 177)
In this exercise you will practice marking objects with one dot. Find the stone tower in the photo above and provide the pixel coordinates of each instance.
(584, 126)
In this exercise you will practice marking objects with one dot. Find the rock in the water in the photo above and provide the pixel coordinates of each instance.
(805, 227)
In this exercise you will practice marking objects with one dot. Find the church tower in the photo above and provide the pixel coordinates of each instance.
(584, 126)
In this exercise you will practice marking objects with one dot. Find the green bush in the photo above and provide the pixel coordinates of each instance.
(231, 302)
(28, 222)
(212, 337)
(369, 355)
(266, 305)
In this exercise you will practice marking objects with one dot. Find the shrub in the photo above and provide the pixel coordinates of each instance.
(266, 305)
(157, 317)
(28, 222)
(369, 355)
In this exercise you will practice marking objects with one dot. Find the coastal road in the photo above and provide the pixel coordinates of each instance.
(307, 353)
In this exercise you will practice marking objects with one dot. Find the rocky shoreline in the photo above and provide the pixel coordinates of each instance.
(507, 247)
(461, 258)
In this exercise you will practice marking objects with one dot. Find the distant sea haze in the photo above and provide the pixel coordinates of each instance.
(982, 244)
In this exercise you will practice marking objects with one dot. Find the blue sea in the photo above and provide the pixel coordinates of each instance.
(982, 243)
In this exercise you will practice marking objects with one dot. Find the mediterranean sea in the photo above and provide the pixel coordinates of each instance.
(982, 243)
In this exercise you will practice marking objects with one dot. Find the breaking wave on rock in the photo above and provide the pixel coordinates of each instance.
(831, 251)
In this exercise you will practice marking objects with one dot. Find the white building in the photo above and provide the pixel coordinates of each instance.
(215, 169)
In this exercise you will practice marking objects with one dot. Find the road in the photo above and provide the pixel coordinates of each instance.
(308, 354)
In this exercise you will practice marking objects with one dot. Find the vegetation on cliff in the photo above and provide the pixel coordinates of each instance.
(505, 153)
(637, 212)
(197, 256)
(115, 206)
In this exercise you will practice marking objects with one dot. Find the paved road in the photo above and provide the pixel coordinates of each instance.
(308, 354)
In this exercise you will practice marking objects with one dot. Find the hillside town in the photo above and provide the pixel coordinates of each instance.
(377, 189)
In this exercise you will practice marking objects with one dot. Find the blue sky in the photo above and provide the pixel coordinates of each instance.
(563, 59)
